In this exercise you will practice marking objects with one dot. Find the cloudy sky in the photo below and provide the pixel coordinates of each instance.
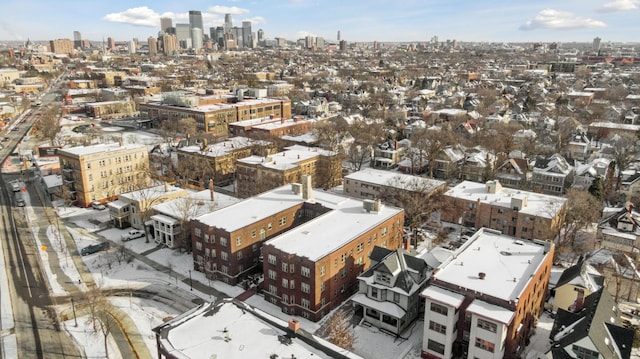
(357, 20)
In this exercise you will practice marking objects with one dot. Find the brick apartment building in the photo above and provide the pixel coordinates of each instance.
(311, 269)
(271, 127)
(517, 213)
(256, 174)
(218, 160)
(102, 172)
(213, 113)
(485, 300)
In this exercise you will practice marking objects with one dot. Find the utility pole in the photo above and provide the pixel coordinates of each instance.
(75, 320)
(190, 281)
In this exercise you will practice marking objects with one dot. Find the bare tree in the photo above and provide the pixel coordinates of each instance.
(48, 126)
(339, 331)
(429, 143)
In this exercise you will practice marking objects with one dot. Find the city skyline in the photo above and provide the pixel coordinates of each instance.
(357, 20)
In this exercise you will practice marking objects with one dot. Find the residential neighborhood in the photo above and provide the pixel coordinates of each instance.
(456, 199)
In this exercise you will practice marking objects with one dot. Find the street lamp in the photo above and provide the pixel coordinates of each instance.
(190, 281)
(75, 320)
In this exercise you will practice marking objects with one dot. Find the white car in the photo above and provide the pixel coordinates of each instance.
(133, 234)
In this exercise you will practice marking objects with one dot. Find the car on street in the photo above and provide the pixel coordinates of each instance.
(94, 248)
(98, 205)
(133, 234)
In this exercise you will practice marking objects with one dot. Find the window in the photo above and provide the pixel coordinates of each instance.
(343, 272)
(224, 256)
(272, 259)
(206, 238)
(384, 232)
(343, 257)
(285, 267)
(437, 308)
(197, 232)
(199, 245)
(239, 241)
(322, 271)
(239, 255)
(437, 327)
(223, 241)
(584, 353)
(292, 268)
(285, 283)
(282, 221)
(305, 303)
(272, 274)
(292, 284)
(254, 247)
(273, 289)
(305, 271)
(484, 344)
(323, 287)
(360, 247)
(492, 327)
(269, 226)
(374, 292)
(435, 346)
(305, 288)
(396, 297)
(253, 234)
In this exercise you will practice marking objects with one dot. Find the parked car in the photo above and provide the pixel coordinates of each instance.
(94, 248)
(133, 234)
(16, 186)
(98, 205)
(19, 199)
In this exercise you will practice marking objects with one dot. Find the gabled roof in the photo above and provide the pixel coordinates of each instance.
(397, 263)
(597, 320)
(582, 274)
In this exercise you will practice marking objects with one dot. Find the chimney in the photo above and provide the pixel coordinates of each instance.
(211, 188)
(482, 275)
(294, 325)
(306, 187)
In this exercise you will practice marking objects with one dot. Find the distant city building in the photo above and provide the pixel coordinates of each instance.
(61, 46)
(111, 43)
(343, 45)
(228, 23)
(195, 22)
(237, 35)
(183, 35)
(260, 35)
(168, 44)
(77, 40)
(153, 46)
(246, 34)
(196, 38)
(165, 23)
(339, 36)
(132, 46)
(320, 43)
(596, 44)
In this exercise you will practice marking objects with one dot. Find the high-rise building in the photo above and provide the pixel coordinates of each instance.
(260, 35)
(237, 35)
(153, 46)
(61, 46)
(196, 38)
(77, 40)
(165, 23)
(111, 43)
(343, 45)
(246, 34)
(596, 44)
(132, 46)
(320, 42)
(183, 33)
(228, 24)
(168, 44)
(195, 19)
(338, 35)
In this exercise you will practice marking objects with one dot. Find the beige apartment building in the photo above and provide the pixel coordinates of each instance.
(102, 172)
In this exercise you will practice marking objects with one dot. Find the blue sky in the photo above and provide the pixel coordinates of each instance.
(357, 20)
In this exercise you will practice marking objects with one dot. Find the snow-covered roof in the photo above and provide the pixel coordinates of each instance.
(494, 264)
(443, 296)
(286, 159)
(151, 193)
(99, 148)
(395, 179)
(230, 330)
(490, 311)
(539, 205)
(385, 307)
(195, 204)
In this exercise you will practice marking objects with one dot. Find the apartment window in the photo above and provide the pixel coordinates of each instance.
(282, 221)
(269, 226)
(272, 274)
(305, 271)
(285, 299)
(484, 344)
(396, 297)
(322, 271)
(323, 287)
(263, 234)
(273, 289)
(343, 257)
(272, 259)
(384, 232)
(343, 272)
(254, 247)
(285, 267)
(239, 241)
(437, 308)
(292, 268)
(239, 255)
(224, 256)
(437, 327)
(492, 327)
(223, 241)
(253, 234)
(305, 288)
(360, 247)
(285, 283)
(206, 238)
(374, 292)
(292, 284)
(199, 245)
(305, 303)
(435, 346)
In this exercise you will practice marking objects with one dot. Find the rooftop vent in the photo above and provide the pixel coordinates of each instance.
(482, 275)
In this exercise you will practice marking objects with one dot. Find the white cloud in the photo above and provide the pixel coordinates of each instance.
(234, 10)
(141, 16)
(620, 5)
(560, 20)
(256, 20)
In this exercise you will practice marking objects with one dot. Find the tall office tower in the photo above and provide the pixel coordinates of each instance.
(196, 38)
(111, 43)
(165, 23)
(236, 32)
(132, 46)
(309, 41)
(260, 35)
(153, 46)
(246, 33)
(596, 44)
(343, 45)
(338, 35)
(219, 37)
(168, 44)
(77, 40)
(195, 19)
(228, 24)
(183, 33)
